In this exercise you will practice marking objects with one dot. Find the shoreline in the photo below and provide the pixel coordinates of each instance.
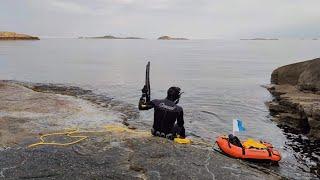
(296, 91)
(108, 154)
(296, 107)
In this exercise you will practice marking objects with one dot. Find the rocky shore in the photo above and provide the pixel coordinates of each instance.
(28, 110)
(296, 91)
(16, 36)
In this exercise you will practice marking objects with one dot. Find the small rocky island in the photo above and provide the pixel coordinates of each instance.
(16, 36)
(261, 39)
(109, 37)
(296, 91)
(171, 38)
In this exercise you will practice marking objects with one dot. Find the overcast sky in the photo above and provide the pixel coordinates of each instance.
(152, 18)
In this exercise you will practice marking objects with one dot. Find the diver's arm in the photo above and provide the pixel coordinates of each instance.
(144, 102)
(144, 105)
(180, 124)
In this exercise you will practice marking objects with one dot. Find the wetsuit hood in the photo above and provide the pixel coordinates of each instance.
(173, 94)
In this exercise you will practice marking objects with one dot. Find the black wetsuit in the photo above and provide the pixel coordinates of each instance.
(166, 113)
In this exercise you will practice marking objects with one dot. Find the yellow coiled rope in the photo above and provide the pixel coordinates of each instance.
(68, 133)
(71, 134)
(74, 133)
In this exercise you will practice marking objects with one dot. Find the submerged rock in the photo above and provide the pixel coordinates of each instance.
(16, 36)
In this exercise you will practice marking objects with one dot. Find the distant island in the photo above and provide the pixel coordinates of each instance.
(109, 37)
(16, 36)
(315, 39)
(260, 39)
(171, 38)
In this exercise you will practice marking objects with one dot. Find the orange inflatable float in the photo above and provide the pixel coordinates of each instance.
(264, 152)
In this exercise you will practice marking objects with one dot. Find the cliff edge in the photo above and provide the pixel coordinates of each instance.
(296, 91)
(305, 75)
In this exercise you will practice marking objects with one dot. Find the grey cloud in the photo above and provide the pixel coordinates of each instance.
(151, 18)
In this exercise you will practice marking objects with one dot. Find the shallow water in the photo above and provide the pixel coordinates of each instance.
(221, 79)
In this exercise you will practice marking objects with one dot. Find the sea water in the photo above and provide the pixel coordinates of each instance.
(222, 79)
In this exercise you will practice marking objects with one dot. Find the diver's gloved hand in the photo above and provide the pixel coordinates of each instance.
(182, 133)
(182, 137)
(144, 90)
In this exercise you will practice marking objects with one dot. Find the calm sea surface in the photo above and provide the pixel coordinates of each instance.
(221, 79)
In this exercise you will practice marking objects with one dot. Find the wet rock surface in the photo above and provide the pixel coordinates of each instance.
(25, 112)
(296, 109)
(128, 111)
(105, 154)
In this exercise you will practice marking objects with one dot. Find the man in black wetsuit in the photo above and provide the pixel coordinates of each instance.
(166, 113)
